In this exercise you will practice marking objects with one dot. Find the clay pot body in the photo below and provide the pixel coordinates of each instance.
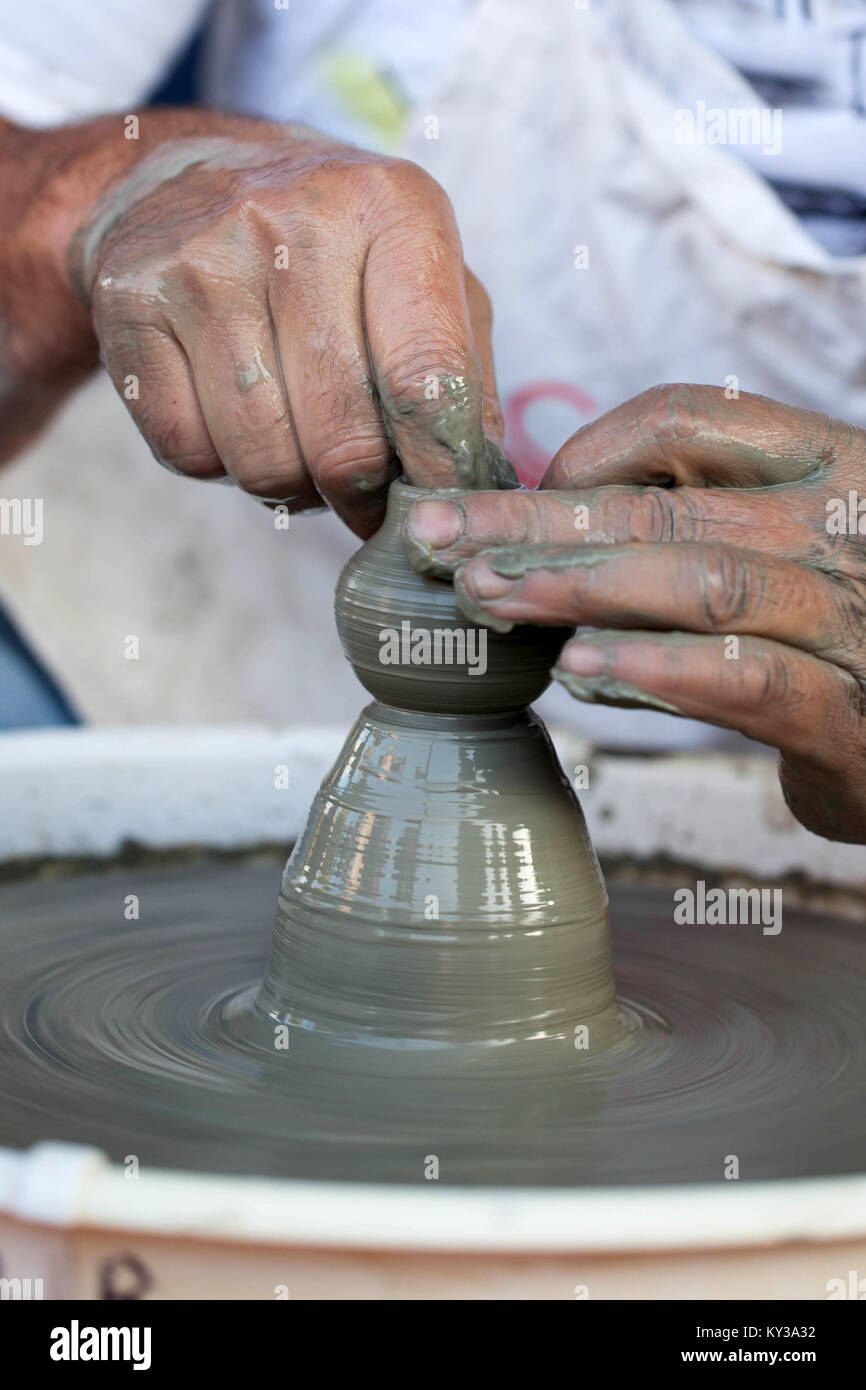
(444, 892)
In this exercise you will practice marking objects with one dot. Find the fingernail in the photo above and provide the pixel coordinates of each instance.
(485, 583)
(434, 523)
(483, 586)
(582, 660)
(595, 688)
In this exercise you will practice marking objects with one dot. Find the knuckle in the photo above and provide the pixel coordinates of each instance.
(210, 269)
(669, 414)
(395, 193)
(250, 200)
(178, 449)
(118, 297)
(202, 464)
(131, 272)
(400, 177)
(267, 480)
(509, 518)
(728, 583)
(252, 221)
(662, 514)
(355, 457)
(409, 381)
(848, 609)
(262, 461)
(192, 281)
(773, 682)
(532, 515)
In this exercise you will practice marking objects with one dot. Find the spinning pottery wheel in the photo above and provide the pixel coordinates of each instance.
(437, 999)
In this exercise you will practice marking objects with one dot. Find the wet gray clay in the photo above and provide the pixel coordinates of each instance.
(445, 890)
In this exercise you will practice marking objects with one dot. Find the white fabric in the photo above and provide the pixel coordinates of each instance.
(555, 130)
(273, 63)
(808, 61)
(65, 60)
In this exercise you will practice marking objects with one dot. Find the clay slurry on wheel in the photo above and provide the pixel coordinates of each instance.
(125, 1035)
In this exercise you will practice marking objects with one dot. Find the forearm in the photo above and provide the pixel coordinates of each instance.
(50, 182)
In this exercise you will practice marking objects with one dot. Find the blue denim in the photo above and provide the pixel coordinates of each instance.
(29, 698)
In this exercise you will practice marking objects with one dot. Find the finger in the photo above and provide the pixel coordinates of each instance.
(443, 530)
(693, 588)
(770, 692)
(238, 380)
(697, 435)
(419, 333)
(153, 377)
(481, 315)
(316, 312)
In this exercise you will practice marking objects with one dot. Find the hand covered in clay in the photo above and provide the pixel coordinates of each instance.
(270, 304)
(717, 549)
(297, 313)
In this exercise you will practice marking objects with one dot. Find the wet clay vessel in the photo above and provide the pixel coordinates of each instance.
(444, 891)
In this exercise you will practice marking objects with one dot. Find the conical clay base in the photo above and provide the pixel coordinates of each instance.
(445, 892)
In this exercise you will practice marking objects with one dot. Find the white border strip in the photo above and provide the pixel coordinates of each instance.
(427, 1217)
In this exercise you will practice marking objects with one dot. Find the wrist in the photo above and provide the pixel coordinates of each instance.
(48, 339)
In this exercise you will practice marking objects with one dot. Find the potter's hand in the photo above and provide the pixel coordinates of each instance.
(269, 304)
(715, 546)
